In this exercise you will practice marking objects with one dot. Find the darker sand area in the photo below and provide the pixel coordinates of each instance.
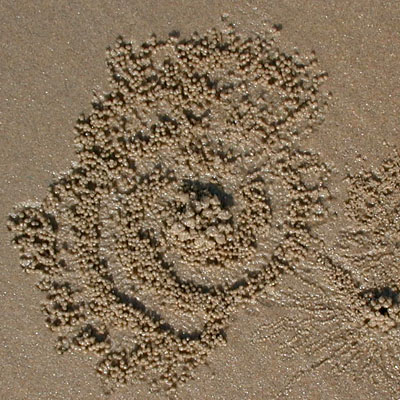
(320, 322)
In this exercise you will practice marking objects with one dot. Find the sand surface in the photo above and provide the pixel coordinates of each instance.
(53, 58)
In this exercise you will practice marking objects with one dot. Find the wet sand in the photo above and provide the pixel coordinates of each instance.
(53, 58)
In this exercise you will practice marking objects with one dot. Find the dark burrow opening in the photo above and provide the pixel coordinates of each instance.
(376, 294)
(383, 311)
(205, 189)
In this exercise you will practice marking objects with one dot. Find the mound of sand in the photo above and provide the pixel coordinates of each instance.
(190, 195)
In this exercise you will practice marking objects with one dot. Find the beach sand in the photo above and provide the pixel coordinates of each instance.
(53, 58)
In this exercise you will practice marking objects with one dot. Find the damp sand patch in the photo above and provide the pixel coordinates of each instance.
(190, 195)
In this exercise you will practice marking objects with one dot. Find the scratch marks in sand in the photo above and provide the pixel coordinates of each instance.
(348, 315)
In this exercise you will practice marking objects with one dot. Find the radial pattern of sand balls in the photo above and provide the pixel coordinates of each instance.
(352, 321)
(189, 195)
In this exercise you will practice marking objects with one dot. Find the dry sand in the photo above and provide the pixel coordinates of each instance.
(53, 57)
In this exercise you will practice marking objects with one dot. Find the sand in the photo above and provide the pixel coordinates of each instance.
(53, 58)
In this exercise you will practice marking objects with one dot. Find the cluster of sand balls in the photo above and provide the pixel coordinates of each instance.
(370, 238)
(188, 188)
(384, 309)
(331, 323)
(353, 322)
(365, 264)
(374, 310)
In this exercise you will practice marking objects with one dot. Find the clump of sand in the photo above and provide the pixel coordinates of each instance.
(190, 195)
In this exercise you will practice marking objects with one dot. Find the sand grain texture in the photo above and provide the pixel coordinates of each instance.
(55, 58)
